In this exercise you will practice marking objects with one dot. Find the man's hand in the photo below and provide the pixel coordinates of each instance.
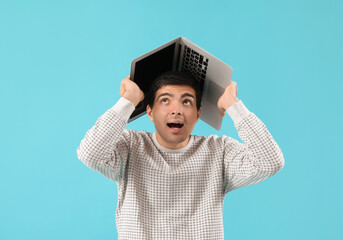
(228, 98)
(130, 90)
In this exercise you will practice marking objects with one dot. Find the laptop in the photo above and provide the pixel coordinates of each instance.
(181, 54)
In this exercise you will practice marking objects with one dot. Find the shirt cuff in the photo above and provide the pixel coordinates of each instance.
(237, 112)
(124, 108)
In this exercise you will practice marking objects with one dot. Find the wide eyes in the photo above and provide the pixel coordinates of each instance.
(187, 102)
(166, 100)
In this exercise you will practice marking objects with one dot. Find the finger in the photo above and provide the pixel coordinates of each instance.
(221, 111)
(121, 92)
(232, 84)
(125, 82)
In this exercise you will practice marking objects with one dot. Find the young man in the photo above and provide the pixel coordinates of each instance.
(171, 184)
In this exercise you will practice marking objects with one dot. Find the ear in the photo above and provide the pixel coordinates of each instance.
(149, 113)
(198, 113)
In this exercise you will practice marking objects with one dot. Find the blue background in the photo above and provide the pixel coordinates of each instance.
(61, 63)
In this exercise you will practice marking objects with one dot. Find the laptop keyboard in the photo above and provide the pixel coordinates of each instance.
(195, 64)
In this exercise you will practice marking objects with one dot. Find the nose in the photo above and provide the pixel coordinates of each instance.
(174, 113)
(176, 109)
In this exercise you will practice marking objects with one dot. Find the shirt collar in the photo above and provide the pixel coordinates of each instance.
(164, 149)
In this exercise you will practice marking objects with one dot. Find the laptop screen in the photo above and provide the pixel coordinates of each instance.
(149, 68)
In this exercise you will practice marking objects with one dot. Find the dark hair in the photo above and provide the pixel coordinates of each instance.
(174, 78)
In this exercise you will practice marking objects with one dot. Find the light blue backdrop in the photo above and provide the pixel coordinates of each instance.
(61, 63)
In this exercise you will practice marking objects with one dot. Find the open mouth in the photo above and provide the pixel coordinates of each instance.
(175, 125)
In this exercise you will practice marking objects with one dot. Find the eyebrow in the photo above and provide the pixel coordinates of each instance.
(171, 95)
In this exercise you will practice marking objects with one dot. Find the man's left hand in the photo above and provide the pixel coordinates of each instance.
(228, 98)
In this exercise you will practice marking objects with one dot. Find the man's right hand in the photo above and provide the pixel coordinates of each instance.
(130, 90)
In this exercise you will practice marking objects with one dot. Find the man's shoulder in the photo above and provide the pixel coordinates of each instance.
(138, 135)
(137, 132)
(213, 139)
(209, 137)
(211, 143)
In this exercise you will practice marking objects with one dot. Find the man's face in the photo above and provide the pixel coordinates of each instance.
(174, 114)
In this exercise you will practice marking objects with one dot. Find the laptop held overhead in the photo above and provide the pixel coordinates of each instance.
(181, 54)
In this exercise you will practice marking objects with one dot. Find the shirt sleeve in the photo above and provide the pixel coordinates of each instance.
(253, 161)
(106, 145)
